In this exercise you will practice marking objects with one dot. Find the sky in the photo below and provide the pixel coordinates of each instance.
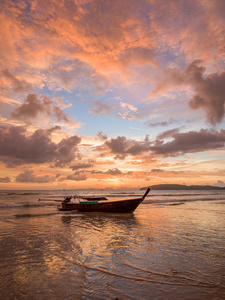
(111, 94)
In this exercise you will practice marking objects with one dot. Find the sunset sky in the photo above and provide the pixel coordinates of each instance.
(111, 94)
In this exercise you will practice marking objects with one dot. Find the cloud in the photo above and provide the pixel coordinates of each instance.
(107, 36)
(103, 38)
(102, 136)
(18, 148)
(113, 172)
(122, 147)
(139, 56)
(180, 143)
(77, 176)
(67, 151)
(101, 108)
(119, 145)
(157, 171)
(69, 74)
(190, 142)
(96, 172)
(32, 107)
(18, 85)
(168, 133)
(5, 179)
(81, 166)
(129, 111)
(29, 176)
(209, 91)
(220, 183)
(210, 96)
(164, 123)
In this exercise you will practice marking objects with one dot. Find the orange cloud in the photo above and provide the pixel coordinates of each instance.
(95, 40)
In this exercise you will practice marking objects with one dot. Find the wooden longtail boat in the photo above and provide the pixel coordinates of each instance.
(116, 206)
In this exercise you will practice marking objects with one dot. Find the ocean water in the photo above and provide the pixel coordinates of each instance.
(171, 247)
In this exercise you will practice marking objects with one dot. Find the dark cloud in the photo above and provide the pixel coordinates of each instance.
(32, 107)
(67, 150)
(29, 176)
(5, 179)
(119, 145)
(81, 166)
(122, 147)
(114, 172)
(18, 86)
(77, 176)
(179, 143)
(209, 91)
(157, 171)
(96, 172)
(190, 142)
(210, 95)
(18, 148)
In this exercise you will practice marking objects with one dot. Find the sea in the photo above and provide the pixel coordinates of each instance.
(171, 247)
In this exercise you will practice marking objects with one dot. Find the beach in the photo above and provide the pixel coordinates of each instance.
(171, 247)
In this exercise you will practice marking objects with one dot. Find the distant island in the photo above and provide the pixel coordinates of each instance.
(183, 187)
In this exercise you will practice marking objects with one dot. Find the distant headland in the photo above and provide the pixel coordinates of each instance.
(183, 187)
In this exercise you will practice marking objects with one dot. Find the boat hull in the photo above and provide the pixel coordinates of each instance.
(121, 206)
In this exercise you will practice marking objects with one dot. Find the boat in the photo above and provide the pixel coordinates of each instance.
(115, 206)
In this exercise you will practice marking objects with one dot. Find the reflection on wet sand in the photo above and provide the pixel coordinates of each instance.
(98, 232)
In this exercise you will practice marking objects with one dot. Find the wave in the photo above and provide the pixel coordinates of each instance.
(28, 205)
(122, 193)
(175, 194)
(125, 195)
(183, 194)
(34, 215)
(21, 194)
(180, 201)
(182, 281)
